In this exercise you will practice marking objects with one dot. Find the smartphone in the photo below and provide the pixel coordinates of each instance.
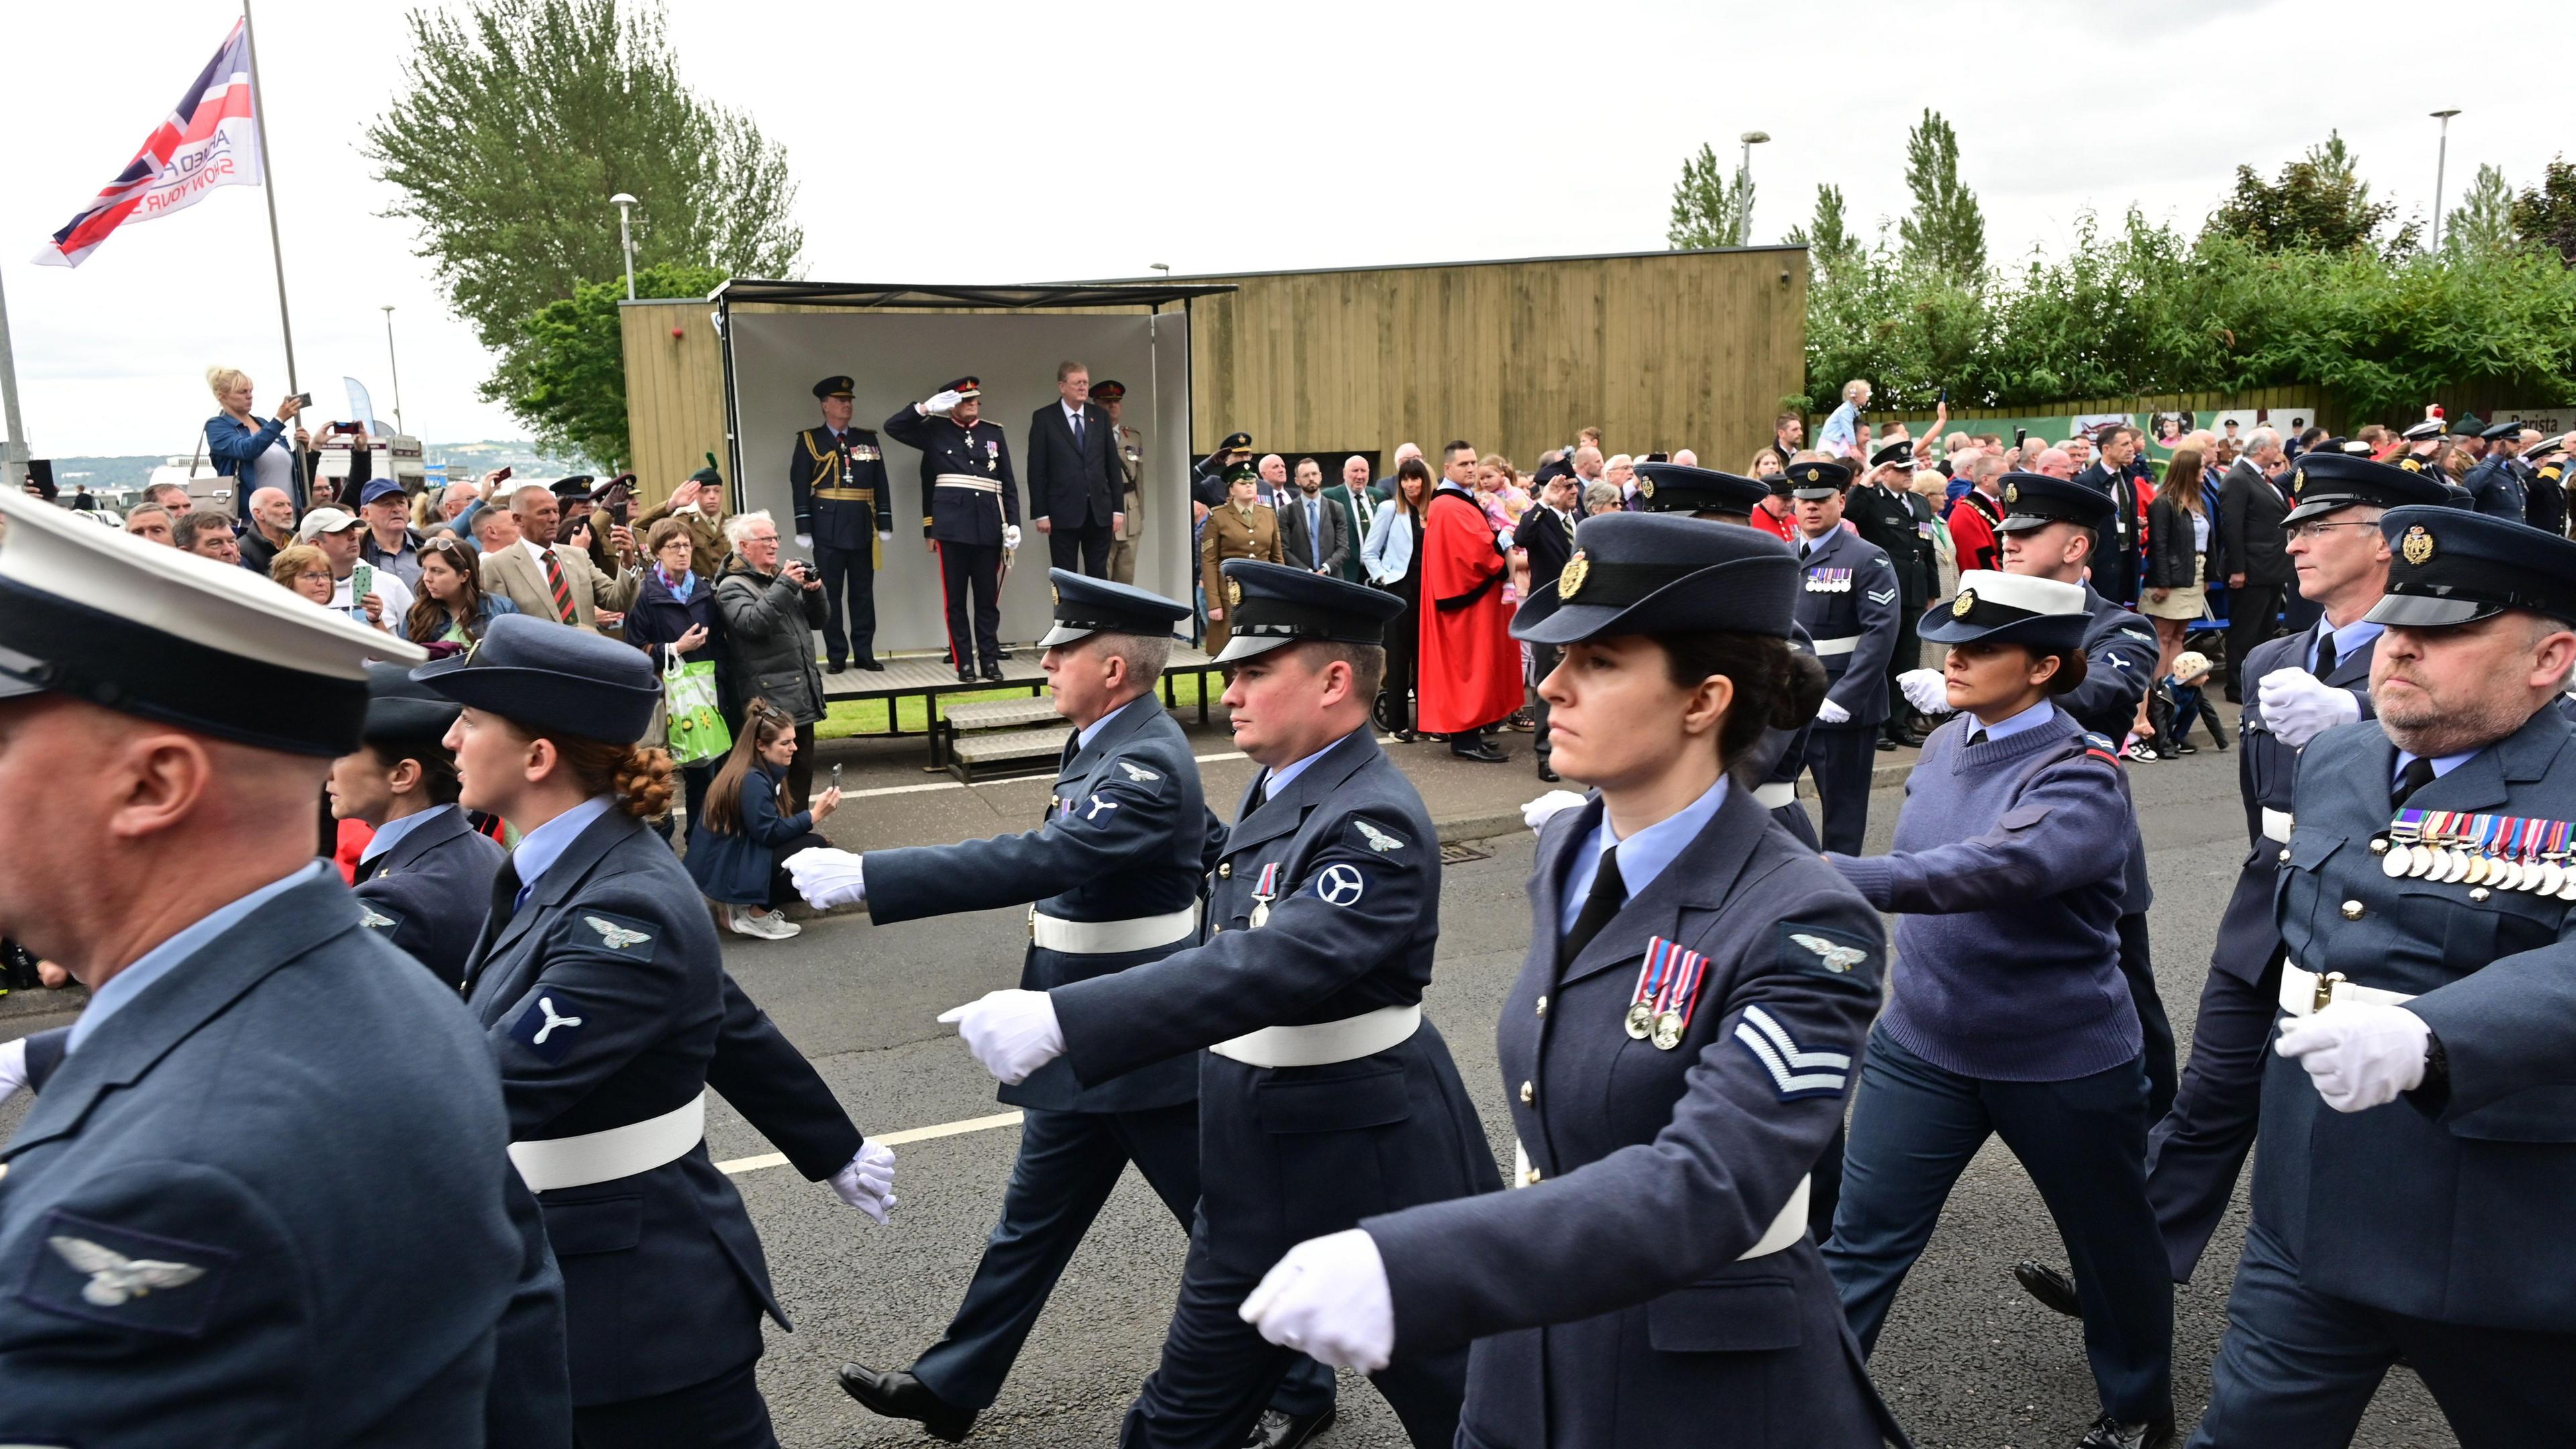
(1945, 397)
(503, 476)
(836, 777)
(304, 399)
(2020, 436)
(362, 582)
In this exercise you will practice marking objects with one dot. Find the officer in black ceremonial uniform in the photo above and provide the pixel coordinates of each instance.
(1324, 1096)
(1115, 869)
(844, 510)
(599, 981)
(426, 874)
(970, 513)
(1677, 1050)
(2417, 1153)
(1848, 606)
(1888, 512)
(2544, 497)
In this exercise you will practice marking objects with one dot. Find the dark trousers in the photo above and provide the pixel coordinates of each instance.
(2155, 1029)
(1082, 548)
(1908, 655)
(800, 770)
(1067, 1166)
(1841, 757)
(694, 780)
(1218, 1370)
(976, 566)
(850, 570)
(1403, 654)
(1543, 658)
(1914, 1128)
(724, 1412)
(2250, 612)
(2297, 1367)
(2195, 1153)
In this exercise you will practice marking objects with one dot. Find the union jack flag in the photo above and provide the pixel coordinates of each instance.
(209, 139)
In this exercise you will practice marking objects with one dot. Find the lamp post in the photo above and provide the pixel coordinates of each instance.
(626, 238)
(1744, 173)
(2441, 158)
(396, 368)
(1163, 267)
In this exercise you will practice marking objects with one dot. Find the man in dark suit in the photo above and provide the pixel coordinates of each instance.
(1546, 535)
(2254, 553)
(1077, 485)
(1314, 532)
(2115, 569)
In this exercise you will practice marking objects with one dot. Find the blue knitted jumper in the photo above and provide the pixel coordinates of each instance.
(2007, 872)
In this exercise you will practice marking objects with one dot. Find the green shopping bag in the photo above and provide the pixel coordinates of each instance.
(697, 728)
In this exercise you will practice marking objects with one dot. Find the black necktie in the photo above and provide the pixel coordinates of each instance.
(2325, 654)
(1260, 794)
(1608, 894)
(505, 900)
(2417, 775)
(1077, 432)
(1976, 738)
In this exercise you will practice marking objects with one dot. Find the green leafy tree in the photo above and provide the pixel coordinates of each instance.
(2483, 221)
(1946, 235)
(1710, 208)
(567, 377)
(2546, 216)
(2319, 203)
(1828, 238)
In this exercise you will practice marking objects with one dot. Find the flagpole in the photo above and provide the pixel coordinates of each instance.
(13, 457)
(268, 185)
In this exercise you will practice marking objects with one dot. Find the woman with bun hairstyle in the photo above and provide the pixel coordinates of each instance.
(1675, 1053)
(599, 979)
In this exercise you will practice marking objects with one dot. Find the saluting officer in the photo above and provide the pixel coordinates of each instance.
(1677, 1051)
(1848, 606)
(2417, 1156)
(1886, 510)
(844, 511)
(2496, 484)
(1324, 1096)
(2544, 500)
(599, 981)
(426, 874)
(970, 513)
(1112, 397)
(263, 1199)
(1208, 479)
(1115, 868)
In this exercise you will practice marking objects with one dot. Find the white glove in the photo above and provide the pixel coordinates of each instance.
(13, 1067)
(826, 877)
(2297, 708)
(2359, 1054)
(886, 534)
(1328, 1300)
(805, 541)
(868, 1182)
(1926, 690)
(1832, 713)
(1013, 1033)
(1011, 537)
(942, 403)
(1538, 812)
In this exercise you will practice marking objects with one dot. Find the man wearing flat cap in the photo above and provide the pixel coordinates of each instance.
(844, 512)
(264, 1188)
(970, 515)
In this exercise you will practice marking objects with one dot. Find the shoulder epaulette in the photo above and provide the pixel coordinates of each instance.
(2103, 748)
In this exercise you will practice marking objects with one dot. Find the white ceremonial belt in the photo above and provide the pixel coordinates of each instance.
(1784, 1230)
(1827, 648)
(1108, 938)
(968, 480)
(1776, 795)
(595, 1157)
(1325, 1043)
(2304, 993)
(2276, 825)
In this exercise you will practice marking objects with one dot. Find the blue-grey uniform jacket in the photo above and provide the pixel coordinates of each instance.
(953, 513)
(2495, 486)
(2120, 655)
(1291, 1153)
(429, 893)
(2451, 1202)
(263, 1204)
(1848, 605)
(2266, 773)
(1609, 1301)
(1127, 835)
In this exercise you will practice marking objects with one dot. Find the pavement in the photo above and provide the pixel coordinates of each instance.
(1966, 1359)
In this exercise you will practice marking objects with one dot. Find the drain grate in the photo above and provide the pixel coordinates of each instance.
(1459, 852)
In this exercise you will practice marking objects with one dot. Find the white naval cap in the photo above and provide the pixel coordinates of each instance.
(149, 630)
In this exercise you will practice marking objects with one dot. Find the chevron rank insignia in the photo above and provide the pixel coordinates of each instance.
(1882, 596)
(1796, 1072)
(2103, 748)
(622, 937)
(1138, 773)
(1376, 839)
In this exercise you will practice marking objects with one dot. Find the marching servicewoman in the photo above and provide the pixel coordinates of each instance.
(1115, 869)
(1324, 1095)
(1676, 1051)
(599, 981)
(970, 513)
(2016, 829)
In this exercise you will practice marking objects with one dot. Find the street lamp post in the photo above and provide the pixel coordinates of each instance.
(2441, 159)
(396, 367)
(1163, 267)
(626, 238)
(1744, 173)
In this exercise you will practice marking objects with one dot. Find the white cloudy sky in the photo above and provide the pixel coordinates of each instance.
(1213, 137)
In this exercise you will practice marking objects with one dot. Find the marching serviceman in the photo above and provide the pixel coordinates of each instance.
(1112, 397)
(970, 513)
(1324, 1096)
(1848, 606)
(1676, 1052)
(599, 981)
(2417, 1156)
(1887, 511)
(844, 511)
(426, 874)
(1115, 869)
(263, 1199)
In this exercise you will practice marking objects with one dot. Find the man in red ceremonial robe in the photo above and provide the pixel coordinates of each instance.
(1470, 668)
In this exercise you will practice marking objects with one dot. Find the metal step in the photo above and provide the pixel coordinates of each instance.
(1022, 752)
(1001, 713)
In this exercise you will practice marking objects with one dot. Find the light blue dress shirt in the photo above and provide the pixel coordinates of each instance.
(2004, 729)
(545, 845)
(1286, 775)
(2442, 764)
(1085, 735)
(390, 834)
(1642, 856)
(158, 962)
(2350, 637)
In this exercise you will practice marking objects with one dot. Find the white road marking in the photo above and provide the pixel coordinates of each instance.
(741, 1165)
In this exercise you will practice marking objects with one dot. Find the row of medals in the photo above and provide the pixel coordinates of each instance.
(1665, 1026)
(2459, 865)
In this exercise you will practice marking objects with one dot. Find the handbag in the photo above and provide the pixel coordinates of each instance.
(696, 726)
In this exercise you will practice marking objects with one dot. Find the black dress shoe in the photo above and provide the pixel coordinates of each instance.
(1885, 743)
(1276, 1430)
(1406, 737)
(834, 666)
(2110, 1433)
(868, 662)
(965, 674)
(1001, 653)
(2185, 747)
(1546, 773)
(898, 1395)
(1480, 752)
(992, 671)
(2050, 1286)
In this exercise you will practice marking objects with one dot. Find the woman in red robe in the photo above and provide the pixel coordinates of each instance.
(1470, 667)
